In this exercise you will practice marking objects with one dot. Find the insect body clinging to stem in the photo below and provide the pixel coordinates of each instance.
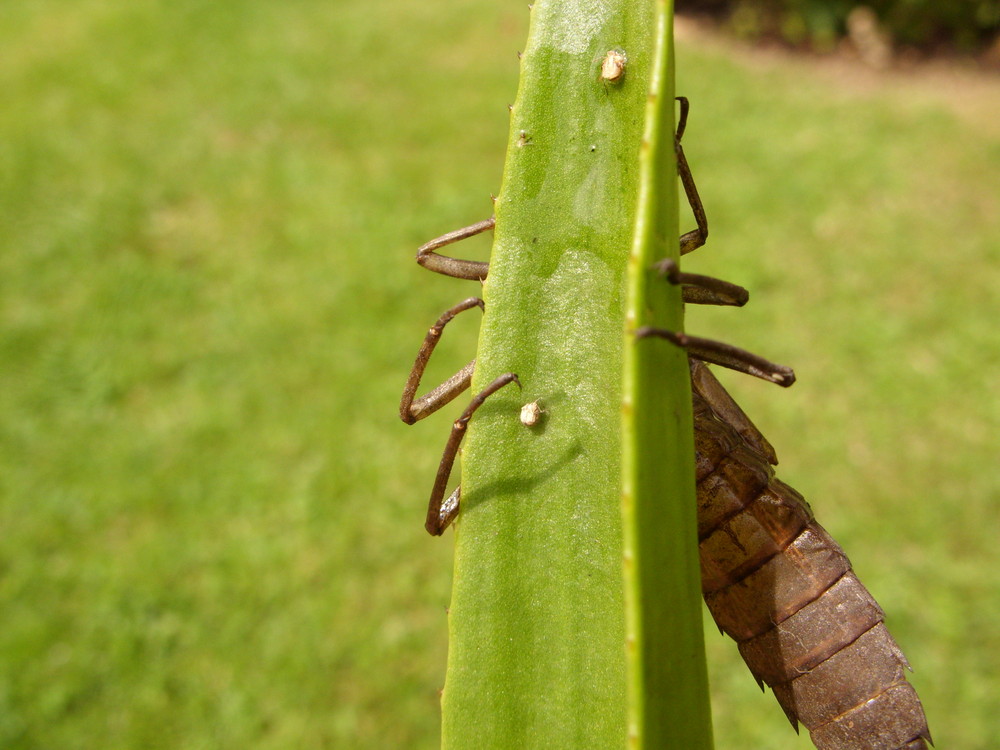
(772, 578)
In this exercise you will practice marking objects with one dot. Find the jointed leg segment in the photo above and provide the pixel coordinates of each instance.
(716, 352)
(703, 290)
(473, 270)
(413, 409)
(440, 514)
(696, 237)
(707, 290)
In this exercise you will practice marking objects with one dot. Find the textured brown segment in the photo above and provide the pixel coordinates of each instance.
(814, 633)
(747, 471)
(736, 482)
(713, 442)
(892, 720)
(781, 507)
(780, 587)
(705, 384)
(741, 544)
(829, 651)
(847, 679)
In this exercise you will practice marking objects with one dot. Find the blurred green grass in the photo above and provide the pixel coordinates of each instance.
(210, 513)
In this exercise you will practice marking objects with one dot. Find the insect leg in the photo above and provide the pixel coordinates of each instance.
(716, 352)
(473, 270)
(440, 514)
(413, 409)
(702, 290)
(694, 239)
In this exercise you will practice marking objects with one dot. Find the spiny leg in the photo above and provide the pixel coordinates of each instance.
(702, 290)
(726, 355)
(694, 239)
(440, 514)
(473, 270)
(412, 409)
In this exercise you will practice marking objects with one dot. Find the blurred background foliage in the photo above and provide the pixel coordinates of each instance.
(210, 514)
(927, 25)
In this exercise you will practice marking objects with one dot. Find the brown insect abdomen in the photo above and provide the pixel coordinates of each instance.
(777, 583)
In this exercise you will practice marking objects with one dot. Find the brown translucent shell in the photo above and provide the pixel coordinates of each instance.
(780, 586)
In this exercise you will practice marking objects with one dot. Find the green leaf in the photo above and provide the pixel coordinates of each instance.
(568, 631)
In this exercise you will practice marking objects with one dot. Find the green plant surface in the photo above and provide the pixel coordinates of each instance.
(211, 515)
(665, 654)
(537, 623)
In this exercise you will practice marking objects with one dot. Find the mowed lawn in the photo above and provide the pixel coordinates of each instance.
(210, 515)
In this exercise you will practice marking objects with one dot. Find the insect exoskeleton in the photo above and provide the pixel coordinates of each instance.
(531, 413)
(613, 67)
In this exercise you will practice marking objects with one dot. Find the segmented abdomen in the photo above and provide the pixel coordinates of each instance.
(777, 583)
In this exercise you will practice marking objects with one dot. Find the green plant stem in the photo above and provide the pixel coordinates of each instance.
(668, 682)
(538, 619)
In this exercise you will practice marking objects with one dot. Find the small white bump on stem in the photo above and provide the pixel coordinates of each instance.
(531, 413)
(613, 67)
